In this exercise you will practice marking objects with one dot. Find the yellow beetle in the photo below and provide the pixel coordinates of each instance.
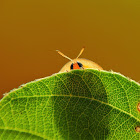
(78, 63)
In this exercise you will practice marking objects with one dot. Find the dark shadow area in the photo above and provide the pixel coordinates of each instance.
(81, 112)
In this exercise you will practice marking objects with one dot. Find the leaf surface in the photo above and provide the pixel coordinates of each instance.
(77, 105)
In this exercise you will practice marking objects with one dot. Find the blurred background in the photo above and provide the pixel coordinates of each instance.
(31, 31)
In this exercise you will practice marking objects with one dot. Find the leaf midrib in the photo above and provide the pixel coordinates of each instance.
(76, 97)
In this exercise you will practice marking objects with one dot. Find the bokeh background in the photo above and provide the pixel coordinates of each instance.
(31, 31)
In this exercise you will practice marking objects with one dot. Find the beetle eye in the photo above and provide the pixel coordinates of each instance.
(80, 64)
(71, 67)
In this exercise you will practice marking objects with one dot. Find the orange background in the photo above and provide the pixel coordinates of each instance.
(31, 31)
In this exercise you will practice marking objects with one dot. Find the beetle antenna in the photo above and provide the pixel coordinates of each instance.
(80, 52)
(64, 55)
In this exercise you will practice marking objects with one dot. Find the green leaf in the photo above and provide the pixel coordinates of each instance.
(81, 104)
